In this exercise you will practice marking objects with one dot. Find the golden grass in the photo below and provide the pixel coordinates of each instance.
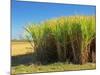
(20, 48)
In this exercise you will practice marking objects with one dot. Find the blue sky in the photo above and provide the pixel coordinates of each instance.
(34, 12)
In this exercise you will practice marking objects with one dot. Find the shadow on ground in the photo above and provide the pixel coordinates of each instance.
(28, 59)
(22, 59)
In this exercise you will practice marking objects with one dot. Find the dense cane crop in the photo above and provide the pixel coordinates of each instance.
(70, 38)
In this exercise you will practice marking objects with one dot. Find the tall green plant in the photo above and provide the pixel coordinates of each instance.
(72, 36)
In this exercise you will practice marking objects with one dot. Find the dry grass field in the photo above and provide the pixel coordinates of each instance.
(21, 48)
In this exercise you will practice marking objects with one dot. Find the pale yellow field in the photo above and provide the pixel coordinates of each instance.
(20, 48)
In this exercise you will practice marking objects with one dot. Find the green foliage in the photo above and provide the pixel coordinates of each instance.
(71, 36)
(51, 68)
